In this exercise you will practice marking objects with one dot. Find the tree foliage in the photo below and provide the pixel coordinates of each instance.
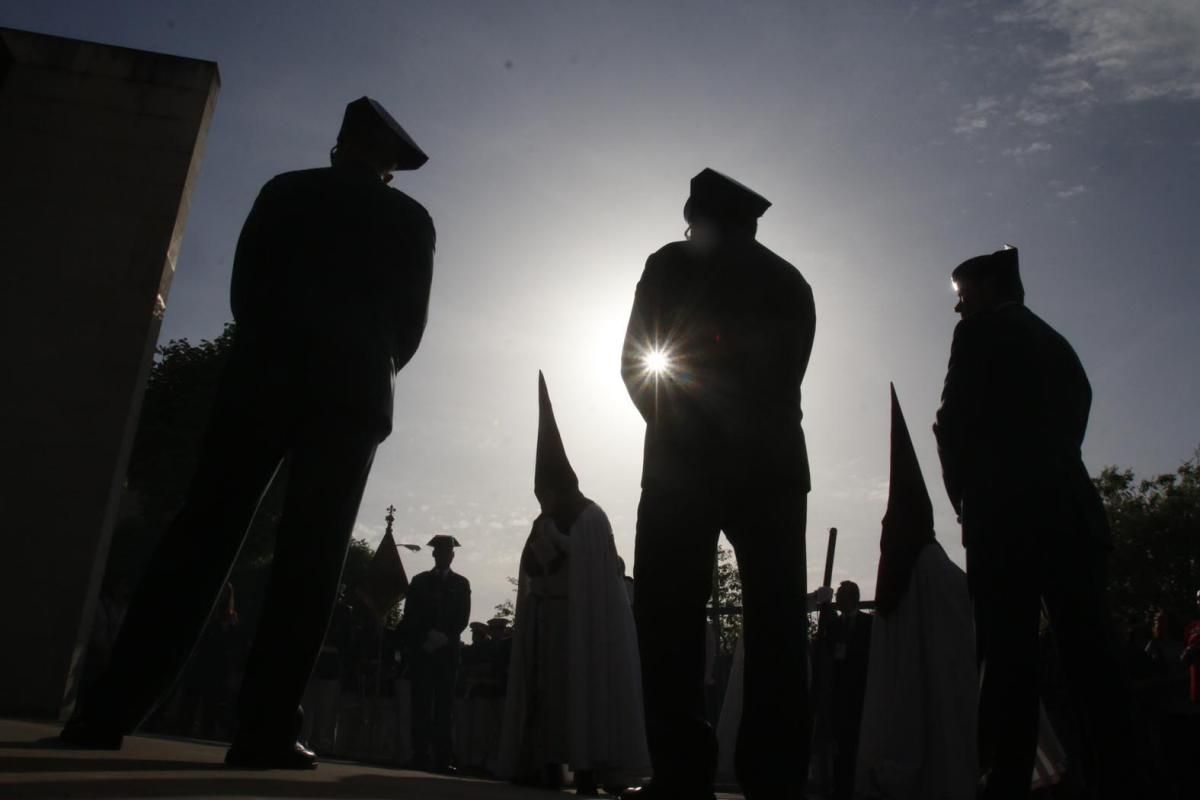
(729, 595)
(507, 608)
(1155, 562)
(358, 561)
(175, 409)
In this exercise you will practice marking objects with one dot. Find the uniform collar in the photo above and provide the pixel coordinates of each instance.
(358, 170)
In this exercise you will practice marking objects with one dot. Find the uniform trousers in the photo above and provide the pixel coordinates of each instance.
(256, 423)
(1011, 577)
(675, 553)
(433, 678)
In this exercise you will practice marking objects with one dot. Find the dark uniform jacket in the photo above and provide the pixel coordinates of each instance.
(1013, 416)
(738, 322)
(330, 289)
(436, 603)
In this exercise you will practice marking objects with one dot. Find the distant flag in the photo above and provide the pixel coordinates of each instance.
(385, 582)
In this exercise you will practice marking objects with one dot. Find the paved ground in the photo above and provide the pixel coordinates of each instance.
(32, 765)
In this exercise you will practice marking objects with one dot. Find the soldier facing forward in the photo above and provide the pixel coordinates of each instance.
(436, 612)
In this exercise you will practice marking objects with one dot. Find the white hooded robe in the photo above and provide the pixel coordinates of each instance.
(601, 712)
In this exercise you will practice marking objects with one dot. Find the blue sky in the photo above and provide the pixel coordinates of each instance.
(894, 140)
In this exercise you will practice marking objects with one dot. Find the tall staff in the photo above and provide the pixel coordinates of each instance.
(829, 557)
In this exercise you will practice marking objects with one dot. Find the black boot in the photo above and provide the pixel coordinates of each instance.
(271, 748)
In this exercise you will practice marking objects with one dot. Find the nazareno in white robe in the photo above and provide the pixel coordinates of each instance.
(605, 722)
(918, 736)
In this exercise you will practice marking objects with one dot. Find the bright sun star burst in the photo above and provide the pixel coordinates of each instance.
(657, 362)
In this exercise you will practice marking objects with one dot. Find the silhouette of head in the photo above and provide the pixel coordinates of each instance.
(987, 281)
(847, 597)
(719, 207)
(443, 550)
(369, 136)
(498, 628)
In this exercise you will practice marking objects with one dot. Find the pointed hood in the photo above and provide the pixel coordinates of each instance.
(908, 522)
(553, 470)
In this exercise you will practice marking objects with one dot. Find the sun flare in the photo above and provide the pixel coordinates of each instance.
(657, 362)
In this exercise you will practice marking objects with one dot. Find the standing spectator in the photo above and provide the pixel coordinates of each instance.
(848, 643)
(1165, 649)
(1191, 654)
(472, 697)
(324, 687)
(500, 633)
(208, 681)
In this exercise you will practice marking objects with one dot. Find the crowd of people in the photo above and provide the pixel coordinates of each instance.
(940, 693)
(358, 704)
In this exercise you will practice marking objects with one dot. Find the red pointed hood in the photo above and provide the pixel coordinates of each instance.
(908, 522)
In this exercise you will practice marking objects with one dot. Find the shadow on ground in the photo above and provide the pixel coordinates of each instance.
(33, 765)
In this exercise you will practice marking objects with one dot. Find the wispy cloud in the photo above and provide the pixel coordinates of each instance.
(1031, 149)
(372, 533)
(861, 489)
(1071, 191)
(976, 116)
(1116, 50)
(1032, 114)
(1083, 54)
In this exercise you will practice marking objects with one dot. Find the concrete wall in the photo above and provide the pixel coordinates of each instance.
(99, 148)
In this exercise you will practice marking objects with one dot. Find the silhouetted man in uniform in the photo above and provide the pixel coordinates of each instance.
(436, 613)
(717, 346)
(330, 290)
(1013, 416)
(848, 642)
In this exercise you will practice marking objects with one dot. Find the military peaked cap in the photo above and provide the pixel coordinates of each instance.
(366, 117)
(1003, 264)
(719, 195)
